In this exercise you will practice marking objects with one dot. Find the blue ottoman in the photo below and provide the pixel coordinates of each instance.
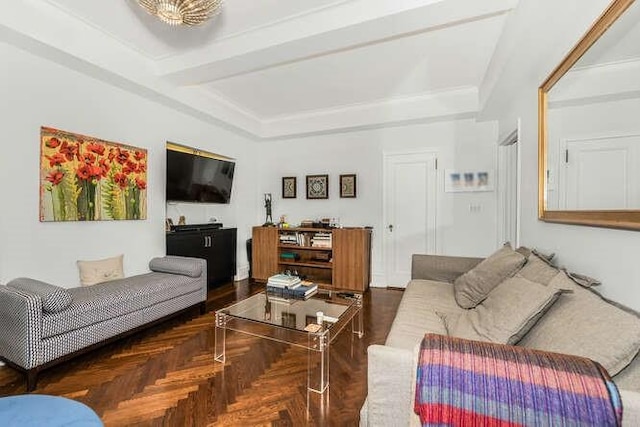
(50, 411)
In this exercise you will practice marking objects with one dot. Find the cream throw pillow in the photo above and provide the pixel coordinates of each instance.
(103, 270)
(507, 314)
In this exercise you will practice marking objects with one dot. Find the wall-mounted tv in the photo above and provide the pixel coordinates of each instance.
(196, 176)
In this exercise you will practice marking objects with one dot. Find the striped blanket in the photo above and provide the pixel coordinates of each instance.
(472, 383)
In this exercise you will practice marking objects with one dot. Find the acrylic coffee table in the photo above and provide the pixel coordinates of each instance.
(292, 323)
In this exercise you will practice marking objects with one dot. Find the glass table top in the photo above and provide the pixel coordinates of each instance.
(293, 314)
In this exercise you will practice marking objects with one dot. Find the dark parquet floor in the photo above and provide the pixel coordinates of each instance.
(166, 375)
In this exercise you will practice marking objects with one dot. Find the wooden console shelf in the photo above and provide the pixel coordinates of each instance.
(337, 258)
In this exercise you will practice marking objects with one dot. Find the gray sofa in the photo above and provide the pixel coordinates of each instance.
(42, 325)
(579, 322)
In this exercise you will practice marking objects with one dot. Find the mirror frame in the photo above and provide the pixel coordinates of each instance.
(625, 219)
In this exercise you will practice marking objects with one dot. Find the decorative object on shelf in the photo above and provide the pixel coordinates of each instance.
(289, 187)
(182, 220)
(317, 186)
(463, 181)
(168, 223)
(83, 178)
(182, 12)
(283, 222)
(348, 185)
(268, 222)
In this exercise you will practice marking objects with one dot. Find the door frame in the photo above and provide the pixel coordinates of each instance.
(385, 216)
(513, 137)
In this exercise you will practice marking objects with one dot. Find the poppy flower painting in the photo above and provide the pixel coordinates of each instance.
(87, 179)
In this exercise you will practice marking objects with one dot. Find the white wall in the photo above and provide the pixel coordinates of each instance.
(462, 144)
(550, 30)
(37, 92)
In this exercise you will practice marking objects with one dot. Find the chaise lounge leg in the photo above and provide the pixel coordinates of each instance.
(32, 380)
(203, 307)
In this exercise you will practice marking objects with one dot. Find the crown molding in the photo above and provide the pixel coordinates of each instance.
(445, 105)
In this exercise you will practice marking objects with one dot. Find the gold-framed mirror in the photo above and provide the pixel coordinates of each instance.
(589, 127)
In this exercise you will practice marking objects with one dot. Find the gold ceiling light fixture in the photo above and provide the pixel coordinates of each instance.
(182, 12)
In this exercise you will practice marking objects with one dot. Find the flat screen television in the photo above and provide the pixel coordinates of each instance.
(197, 177)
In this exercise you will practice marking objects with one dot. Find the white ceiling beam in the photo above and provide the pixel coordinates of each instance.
(349, 25)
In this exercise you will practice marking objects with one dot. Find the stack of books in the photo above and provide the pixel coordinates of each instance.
(283, 281)
(295, 239)
(289, 239)
(291, 287)
(321, 240)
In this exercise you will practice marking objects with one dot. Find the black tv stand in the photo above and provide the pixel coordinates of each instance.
(197, 227)
(210, 242)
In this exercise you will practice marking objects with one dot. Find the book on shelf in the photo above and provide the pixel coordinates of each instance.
(295, 239)
(289, 256)
(321, 240)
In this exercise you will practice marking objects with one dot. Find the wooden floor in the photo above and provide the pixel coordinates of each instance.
(166, 375)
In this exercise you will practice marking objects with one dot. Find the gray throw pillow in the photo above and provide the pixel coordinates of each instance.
(584, 324)
(506, 315)
(54, 298)
(473, 286)
(538, 270)
(185, 266)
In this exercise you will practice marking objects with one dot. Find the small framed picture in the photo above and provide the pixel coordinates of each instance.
(289, 187)
(468, 180)
(317, 186)
(348, 186)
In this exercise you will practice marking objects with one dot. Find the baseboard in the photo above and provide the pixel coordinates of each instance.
(242, 273)
(378, 280)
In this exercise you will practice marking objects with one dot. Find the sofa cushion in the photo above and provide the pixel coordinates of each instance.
(584, 324)
(416, 314)
(508, 312)
(538, 270)
(102, 270)
(107, 300)
(473, 286)
(177, 265)
(54, 298)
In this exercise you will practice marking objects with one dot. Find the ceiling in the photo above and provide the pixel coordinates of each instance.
(608, 70)
(275, 68)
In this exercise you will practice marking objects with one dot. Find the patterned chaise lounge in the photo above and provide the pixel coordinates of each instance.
(42, 325)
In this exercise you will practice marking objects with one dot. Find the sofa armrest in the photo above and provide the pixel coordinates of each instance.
(630, 407)
(391, 379)
(21, 327)
(440, 268)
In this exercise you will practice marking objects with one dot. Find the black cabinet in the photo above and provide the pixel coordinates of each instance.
(216, 246)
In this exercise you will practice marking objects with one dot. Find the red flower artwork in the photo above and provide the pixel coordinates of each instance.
(53, 143)
(85, 178)
(56, 159)
(55, 177)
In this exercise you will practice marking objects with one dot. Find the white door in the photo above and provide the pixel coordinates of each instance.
(600, 173)
(410, 211)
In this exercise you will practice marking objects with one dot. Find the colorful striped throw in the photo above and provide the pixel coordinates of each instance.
(472, 383)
